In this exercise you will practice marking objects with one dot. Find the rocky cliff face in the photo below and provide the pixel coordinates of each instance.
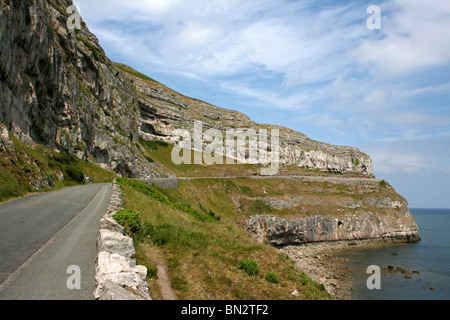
(59, 89)
(375, 211)
(359, 226)
(164, 110)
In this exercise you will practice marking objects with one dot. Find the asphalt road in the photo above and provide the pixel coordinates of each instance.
(42, 238)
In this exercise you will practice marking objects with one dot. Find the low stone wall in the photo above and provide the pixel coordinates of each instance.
(165, 183)
(117, 275)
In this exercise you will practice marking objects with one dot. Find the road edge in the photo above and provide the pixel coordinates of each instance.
(117, 276)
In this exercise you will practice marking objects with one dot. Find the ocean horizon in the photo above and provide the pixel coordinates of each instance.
(426, 263)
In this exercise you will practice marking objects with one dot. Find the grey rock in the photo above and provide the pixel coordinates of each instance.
(115, 242)
(110, 290)
(5, 142)
(59, 89)
(117, 275)
(360, 226)
(110, 224)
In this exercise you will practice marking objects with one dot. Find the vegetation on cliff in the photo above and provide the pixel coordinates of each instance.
(25, 169)
(204, 257)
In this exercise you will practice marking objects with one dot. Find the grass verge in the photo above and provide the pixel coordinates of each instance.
(29, 167)
(203, 255)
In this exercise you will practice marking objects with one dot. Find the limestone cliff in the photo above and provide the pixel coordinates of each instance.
(374, 211)
(59, 89)
(164, 110)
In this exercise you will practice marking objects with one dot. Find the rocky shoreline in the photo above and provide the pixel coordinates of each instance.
(320, 262)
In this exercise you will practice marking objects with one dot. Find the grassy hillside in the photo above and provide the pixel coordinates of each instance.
(36, 168)
(197, 229)
(198, 237)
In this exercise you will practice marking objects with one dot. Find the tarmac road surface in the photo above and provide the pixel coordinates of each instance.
(48, 243)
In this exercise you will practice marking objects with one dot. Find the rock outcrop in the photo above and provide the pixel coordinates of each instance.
(358, 226)
(5, 142)
(334, 209)
(164, 110)
(59, 89)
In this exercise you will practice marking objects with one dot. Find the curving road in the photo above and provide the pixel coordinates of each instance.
(42, 235)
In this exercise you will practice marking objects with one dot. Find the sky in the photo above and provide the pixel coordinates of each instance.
(324, 68)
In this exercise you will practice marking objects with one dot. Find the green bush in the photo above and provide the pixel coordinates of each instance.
(128, 218)
(152, 272)
(273, 277)
(250, 266)
(75, 174)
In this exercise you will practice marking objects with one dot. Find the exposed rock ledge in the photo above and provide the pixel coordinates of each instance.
(117, 275)
(312, 241)
(357, 226)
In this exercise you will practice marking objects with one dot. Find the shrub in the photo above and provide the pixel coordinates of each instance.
(250, 266)
(273, 277)
(152, 272)
(128, 218)
(75, 174)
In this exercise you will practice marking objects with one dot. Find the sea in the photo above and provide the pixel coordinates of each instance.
(428, 263)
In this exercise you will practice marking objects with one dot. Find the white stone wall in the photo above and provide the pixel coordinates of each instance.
(117, 275)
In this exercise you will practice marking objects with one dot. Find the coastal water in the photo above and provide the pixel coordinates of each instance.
(429, 259)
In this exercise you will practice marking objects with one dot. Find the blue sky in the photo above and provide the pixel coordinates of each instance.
(313, 66)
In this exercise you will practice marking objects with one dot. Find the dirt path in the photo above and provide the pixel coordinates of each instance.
(164, 282)
(163, 278)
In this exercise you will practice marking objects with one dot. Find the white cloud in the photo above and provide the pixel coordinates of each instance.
(415, 37)
(292, 56)
(227, 37)
(390, 158)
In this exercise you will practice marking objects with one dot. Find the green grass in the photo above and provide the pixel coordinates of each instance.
(90, 47)
(27, 164)
(156, 193)
(161, 153)
(203, 256)
(133, 72)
